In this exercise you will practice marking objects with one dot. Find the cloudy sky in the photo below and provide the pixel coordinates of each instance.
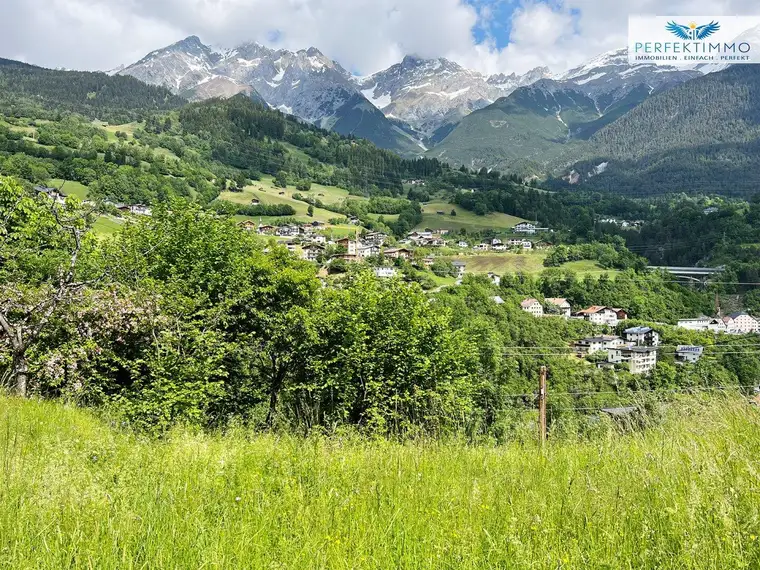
(364, 35)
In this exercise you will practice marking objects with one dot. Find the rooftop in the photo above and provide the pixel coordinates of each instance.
(639, 330)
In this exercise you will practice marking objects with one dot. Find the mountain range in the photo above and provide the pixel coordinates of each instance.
(419, 100)
(605, 124)
(532, 127)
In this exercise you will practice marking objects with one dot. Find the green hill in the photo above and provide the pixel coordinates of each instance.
(27, 89)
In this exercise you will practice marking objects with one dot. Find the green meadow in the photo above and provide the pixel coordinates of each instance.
(78, 491)
(464, 219)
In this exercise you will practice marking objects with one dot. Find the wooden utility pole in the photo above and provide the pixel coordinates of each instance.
(542, 405)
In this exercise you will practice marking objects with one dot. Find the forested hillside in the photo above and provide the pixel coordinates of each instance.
(700, 137)
(27, 90)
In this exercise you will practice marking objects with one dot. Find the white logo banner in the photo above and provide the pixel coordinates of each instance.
(693, 40)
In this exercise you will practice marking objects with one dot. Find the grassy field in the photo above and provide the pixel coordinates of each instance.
(588, 267)
(463, 219)
(265, 191)
(533, 262)
(128, 128)
(70, 188)
(78, 493)
(106, 225)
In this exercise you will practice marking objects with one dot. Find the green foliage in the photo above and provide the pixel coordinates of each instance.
(231, 208)
(608, 255)
(26, 90)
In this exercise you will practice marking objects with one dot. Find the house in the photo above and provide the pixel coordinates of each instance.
(263, 229)
(741, 323)
(53, 193)
(353, 220)
(482, 247)
(247, 225)
(498, 300)
(689, 354)
(460, 267)
(533, 306)
(420, 236)
(642, 336)
(703, 324)
(710, 210)
(435, 242)
(375, 238)
(291, 246)
(397, 253)
(524, 228)
(600, 315)
(312, 252)
(500, 247)
(385, 272)
(347, 257)
(495, 279)
(368, 251)
(520, 243)
(640, 359)
(496, 241)
(594, 344)
(352, 246)
(428, 261)
(287, 231)
(463, 244)
(319, 239)
(556, 304)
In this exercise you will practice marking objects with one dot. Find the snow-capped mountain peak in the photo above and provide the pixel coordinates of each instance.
(609, 77)
(430, 94)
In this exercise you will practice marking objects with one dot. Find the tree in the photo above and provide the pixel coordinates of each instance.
(281, 180)
(453, 212)
(310, 211)
(304, 186)
(40, 250)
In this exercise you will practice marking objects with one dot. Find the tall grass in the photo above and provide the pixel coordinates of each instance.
(76, 492)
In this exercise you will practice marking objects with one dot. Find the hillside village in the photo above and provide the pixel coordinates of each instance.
(636, 349)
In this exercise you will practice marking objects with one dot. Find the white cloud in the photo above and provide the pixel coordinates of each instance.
(364, 35)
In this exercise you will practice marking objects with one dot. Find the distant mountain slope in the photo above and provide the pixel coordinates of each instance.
(528, 130)
(430, 94)
(703, 136)
(305, 84)
(359, 118)
(530, 126)
(95, 95)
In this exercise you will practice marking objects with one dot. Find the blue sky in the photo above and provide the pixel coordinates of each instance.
(494, 21)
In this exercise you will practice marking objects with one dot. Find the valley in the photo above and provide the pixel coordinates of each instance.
(238, 283)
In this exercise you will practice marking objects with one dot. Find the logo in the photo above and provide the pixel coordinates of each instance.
(686, 40)
(692, 31)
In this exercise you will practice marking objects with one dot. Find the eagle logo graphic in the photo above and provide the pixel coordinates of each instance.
(692, 31)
